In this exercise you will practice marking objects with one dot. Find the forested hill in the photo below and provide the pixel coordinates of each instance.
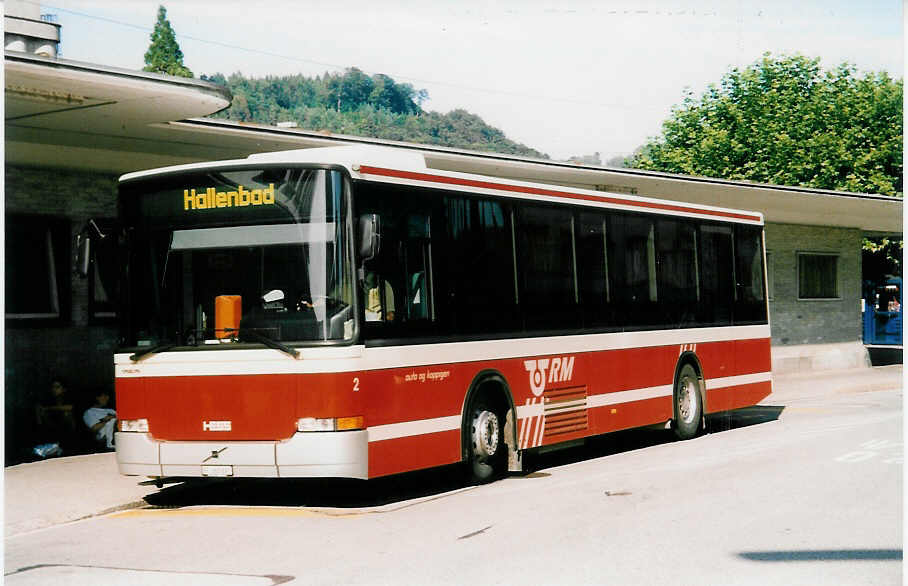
(357, 104)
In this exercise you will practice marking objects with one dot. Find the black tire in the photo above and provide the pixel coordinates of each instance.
(487, 450)
(688, 403)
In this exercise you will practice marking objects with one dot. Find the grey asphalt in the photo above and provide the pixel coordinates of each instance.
(43, 494)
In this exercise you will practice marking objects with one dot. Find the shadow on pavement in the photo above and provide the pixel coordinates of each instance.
(349, 493)
(744, 417)
(823, 555)
(638, 439)
(310, 492)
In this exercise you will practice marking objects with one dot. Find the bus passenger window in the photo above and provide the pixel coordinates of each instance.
(546, 267)
(750, 304)
(398, 282)
(417, 298)
(639, 260)
(379, 298)
(416, 258)
(716, 271)
(593, 270)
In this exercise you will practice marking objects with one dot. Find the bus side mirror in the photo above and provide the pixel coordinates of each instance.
(369, 236)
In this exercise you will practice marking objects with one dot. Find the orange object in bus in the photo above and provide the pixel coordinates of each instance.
(228, 310)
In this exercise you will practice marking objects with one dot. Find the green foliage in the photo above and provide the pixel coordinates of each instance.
(881, 256)
(785, 121)
(356, 104)
(164, 54)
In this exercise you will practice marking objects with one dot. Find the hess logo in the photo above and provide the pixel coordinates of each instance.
(559, 370)
(217, 426)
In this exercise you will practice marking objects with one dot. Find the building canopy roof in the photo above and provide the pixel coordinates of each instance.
(68, 114)
(75, 115)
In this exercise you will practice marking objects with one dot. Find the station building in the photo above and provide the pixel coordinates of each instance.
(71, 129)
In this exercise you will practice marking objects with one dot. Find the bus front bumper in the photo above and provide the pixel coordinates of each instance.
(334, 454)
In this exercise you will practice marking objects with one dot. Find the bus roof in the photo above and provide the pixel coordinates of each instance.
(406, 167)
(347, 156)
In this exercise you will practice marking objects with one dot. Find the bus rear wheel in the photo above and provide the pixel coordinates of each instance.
(487, 447)
(688, 403)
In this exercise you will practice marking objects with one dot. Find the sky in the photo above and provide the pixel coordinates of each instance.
(566, 78)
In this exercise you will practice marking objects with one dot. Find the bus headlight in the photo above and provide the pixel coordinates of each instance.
(134, 425)
(329, 424)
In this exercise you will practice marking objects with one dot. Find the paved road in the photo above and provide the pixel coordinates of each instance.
(804, 489)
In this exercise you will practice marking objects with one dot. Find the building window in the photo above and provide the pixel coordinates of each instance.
(37, 267)
(818, 276)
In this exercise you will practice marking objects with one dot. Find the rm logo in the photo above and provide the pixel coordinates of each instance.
(562, 369)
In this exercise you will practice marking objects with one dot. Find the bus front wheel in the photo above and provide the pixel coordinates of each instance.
(487, 446)
(688, 403)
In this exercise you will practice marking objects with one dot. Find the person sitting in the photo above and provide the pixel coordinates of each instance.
(101, 420)
(56, 426)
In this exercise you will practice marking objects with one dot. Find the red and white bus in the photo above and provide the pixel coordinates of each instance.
(348, 312)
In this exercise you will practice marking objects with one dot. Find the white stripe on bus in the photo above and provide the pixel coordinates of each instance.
(359, 358)
(741, 379)
(410, 428)
(629, 396)
(532, 411)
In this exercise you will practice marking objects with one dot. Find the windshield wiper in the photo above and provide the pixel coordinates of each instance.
(152, 350)
(270, 343)
(146, 352)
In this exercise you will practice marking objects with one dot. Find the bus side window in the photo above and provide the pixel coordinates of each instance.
(640, 260)
(379, 298)
(676, 268)
(398, 286)
(417, 296)
(750, 304)
(378, 290)
(634, 281)
(593, 270)
(416, 259)
(479, 264)
(716, 272)
(546, 267)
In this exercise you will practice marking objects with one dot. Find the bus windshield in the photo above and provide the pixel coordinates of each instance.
(271, 242)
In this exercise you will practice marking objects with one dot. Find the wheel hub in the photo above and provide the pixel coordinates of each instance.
(685, 401)
(485, 434)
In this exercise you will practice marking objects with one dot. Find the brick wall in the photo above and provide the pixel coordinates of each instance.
(824, 321)
(74, 349)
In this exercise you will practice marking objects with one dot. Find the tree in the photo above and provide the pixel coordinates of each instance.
(785, 121)
(616, 161)
(164, 54)
(351, 90)
(594, 159)
(358, 104)
(881, 257)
